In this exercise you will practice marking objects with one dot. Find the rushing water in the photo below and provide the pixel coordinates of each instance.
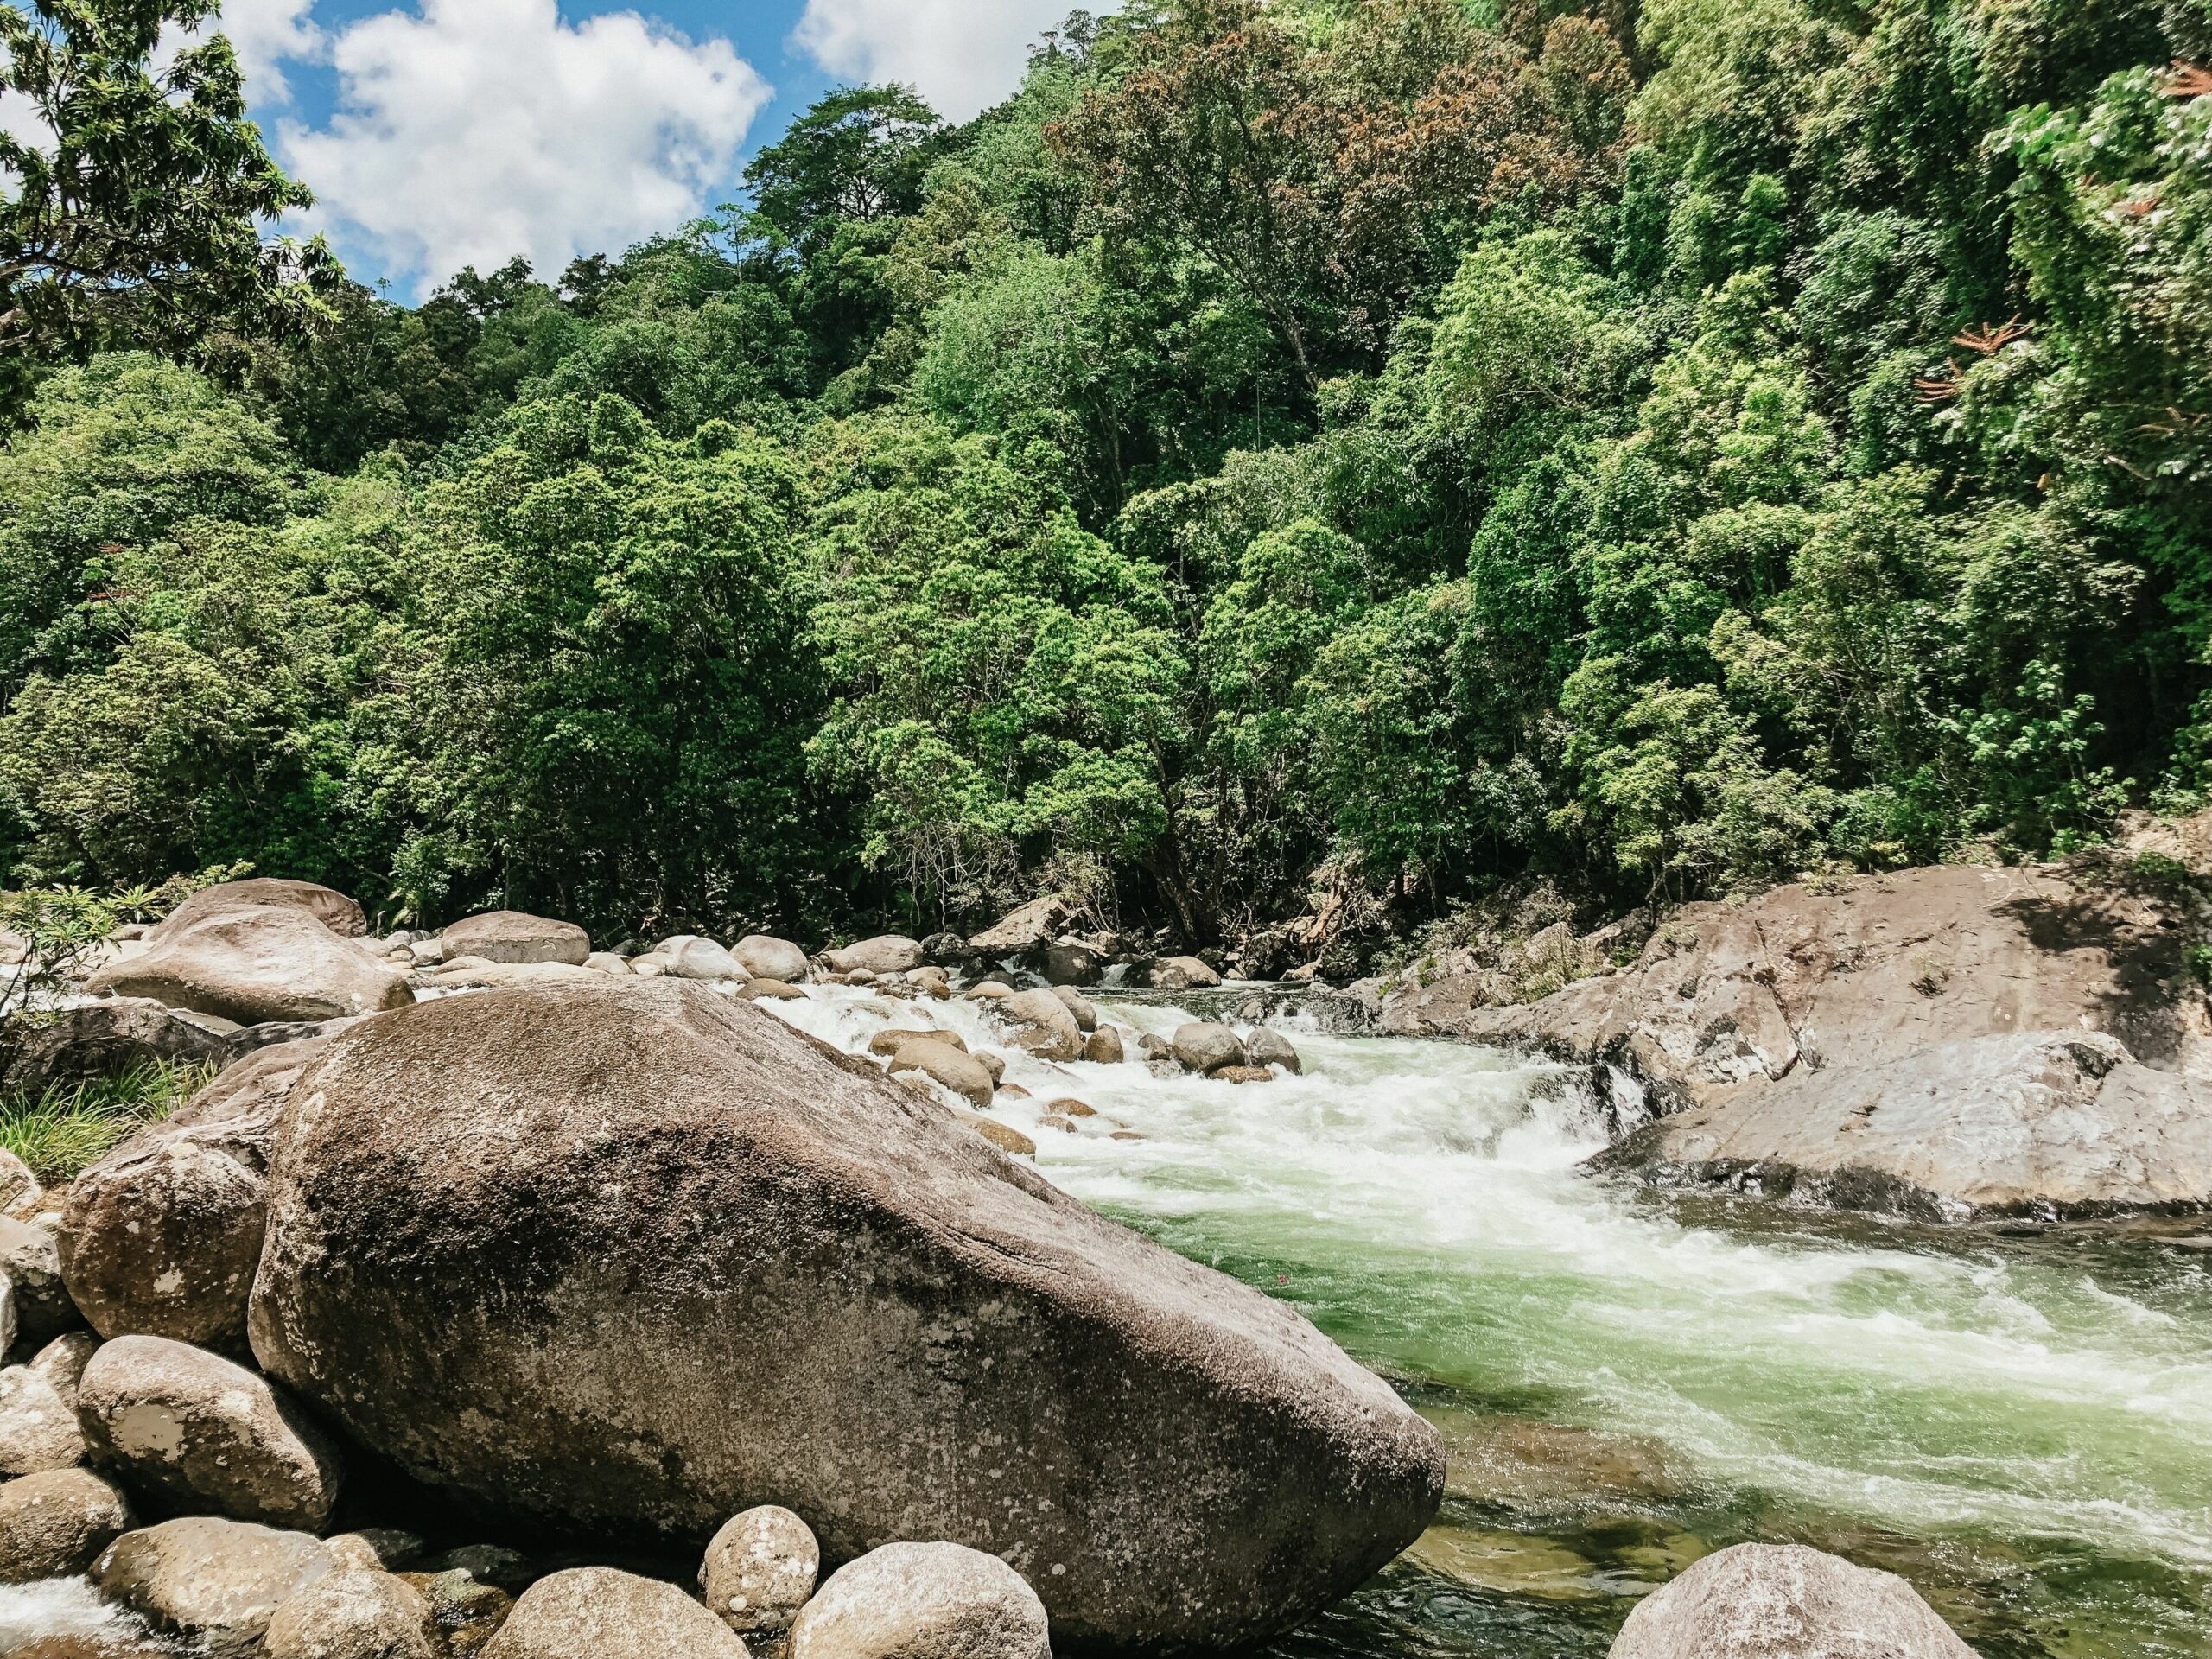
(2022, 1424)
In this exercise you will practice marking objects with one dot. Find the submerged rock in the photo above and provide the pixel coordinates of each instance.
(1267, 1046)
(1765, 1601)
(595, 1613)
(2048, 1124)
(923, 1601)
(516, 1240)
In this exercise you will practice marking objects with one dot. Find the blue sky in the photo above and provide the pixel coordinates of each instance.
(439, 133)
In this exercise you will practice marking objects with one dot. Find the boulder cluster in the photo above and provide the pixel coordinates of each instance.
(506, 1239)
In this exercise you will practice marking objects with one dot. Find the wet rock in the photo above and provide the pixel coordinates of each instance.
(595, 1613)
(32, 1262)
(988, 990)
(332, 908)
(771, 990)
(1874, 970)
(1183, 974)
(220, 1582)
(54, 1525)
(38, 1431)
(254, 963)
(511, 936)
(891, 1040)
(1071, 961)
(162, 1235)
(1026, 931)
(2047, 1124)
(1267, 1046)
(923, 1601)
(888, 953)
(1043, 1024)
(1084, 1010)
(1056, 1123)
(1243, 1074)
(760, 1570)
(467, 1613)
(1153, 1046)
(65, 1048)
(1103, 1047)
(194, 1431)
(374, 1549)
(689, 957)
(1764, 1601)
(1004, 1136)
(354, 1615)
(943, 1063)
(537, 1334)
(1205, 1047)
(763, 957)
(1071, 1109)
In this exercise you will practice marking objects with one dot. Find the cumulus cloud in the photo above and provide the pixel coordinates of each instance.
(265, 33)
(477, 129)
(962, 55)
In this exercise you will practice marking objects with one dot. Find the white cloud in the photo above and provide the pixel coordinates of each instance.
(962, 55)
(265, 33)
(478, 129)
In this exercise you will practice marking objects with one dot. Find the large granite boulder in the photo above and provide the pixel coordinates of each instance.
(1023, 932)
(192, 1432)
(65, 1048)
(162, 1235)
(640, 1256)
(219, 1581)
(511, 936)
(1770, 1601)
(1043, 1024)
(330, 907)
(764, 958)
(253, 963)
(2044, 1125)
(1872, 969)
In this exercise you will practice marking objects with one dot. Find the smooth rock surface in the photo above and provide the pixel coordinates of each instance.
(513, 936)
(763, 957)
(923, 1601)
(689, 957)
(888, 953)
(2045, 1125)
(595, 1613)
(220, 1581)
(942, 1064)
(1103, 1047)
(1183, 974)
(1043, 1024)
(54, 1525)
(1766, 1601)
(759, 1569)
(1029, 929)
(253, 964)
(1267, 1046)
(31, 1259)
(65, 1048)
(1876, 970)
(1084, 1010)
(354, 1615)
(525, 1246)
(62, 1361)
(1205, 1047)
(340, 914)
(194, 1431)
(162, 1235)
(38, 1430)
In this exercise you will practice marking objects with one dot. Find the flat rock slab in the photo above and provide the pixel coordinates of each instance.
(2047, 1125)
(641, 1256)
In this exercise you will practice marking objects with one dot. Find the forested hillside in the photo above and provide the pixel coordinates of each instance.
(1344, 456)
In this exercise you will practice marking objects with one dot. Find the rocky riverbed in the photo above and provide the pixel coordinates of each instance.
(489, 1240)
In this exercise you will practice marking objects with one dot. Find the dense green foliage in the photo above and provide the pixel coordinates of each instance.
(1384, 448)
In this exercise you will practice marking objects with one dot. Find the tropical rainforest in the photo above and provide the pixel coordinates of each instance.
(1356, 456)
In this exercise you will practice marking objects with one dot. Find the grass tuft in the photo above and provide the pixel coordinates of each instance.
(62, 1131)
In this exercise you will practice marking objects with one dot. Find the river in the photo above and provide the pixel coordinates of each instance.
(2019, 1422)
